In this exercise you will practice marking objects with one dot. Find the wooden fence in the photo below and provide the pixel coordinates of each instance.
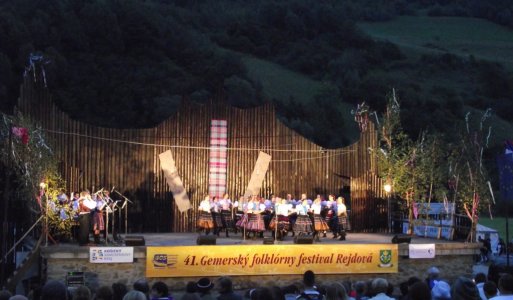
(94, 157)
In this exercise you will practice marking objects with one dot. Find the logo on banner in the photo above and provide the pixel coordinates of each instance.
(385, 258)
(164, 261)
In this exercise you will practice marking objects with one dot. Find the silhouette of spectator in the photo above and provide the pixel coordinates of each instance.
(53, 290)
(489, 289)
(160, 291)
(419, 291)
(82, 293)
(5, 295)
(190, 292)
(104, 293)
(142, 285)
(135, 295)
(441, 291)
(464, 289)
(505, 287)
(226, 290)
(119, 291)
(380, 287)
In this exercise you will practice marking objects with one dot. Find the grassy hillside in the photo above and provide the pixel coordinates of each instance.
(280, 84)
(461, 36)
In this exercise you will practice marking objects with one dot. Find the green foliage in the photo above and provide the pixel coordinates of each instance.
(28, 165)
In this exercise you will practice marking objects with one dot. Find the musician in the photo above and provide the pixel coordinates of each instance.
(215, 208)
(303, 223)
(98, 218)
(331, 217)
(318, 221)
(226, 213)
(86, 205)
(293, 214)
(343, 220)
(205, 220)
(241, 215)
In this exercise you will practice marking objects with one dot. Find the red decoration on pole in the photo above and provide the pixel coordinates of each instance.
(21, 133)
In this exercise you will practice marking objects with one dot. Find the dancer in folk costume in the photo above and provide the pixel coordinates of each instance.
(319, 224)
(303, 223)
(256, 219)
(215, 208)
(282, 213)
(226, 213)
(205, 221)
(241, 215)
(343, 219)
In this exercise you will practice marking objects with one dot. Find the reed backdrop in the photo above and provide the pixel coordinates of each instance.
(127, 159)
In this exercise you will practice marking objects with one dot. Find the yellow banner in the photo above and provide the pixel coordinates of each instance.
(270, 259)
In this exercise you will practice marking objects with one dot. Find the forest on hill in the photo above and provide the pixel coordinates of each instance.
(128, 63)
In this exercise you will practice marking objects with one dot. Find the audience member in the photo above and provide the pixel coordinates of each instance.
(360, 288)
(261, 293)
(490, 289)
(441, 291)
(119, 291)
(135, 295)
(310, 291)
(505, 288)
(5, 295)
(336, 291)
(203, 287)
(82, 293)
(18, 297)
(190, 292)
(290, 292)
(226, 290)
(143, 286)
(379, 287)
(479, 280)
(464, 289)
(160, 291)
(277, 293)
(53, 290)
(433, 274)
(419, 291)
(104, 293)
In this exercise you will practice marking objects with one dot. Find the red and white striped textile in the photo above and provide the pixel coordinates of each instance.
(218, 158)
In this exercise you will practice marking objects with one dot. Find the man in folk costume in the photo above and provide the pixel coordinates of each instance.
(86, 205)
(343, 219)
(98, 219)
(319, 224)
(293, 214)
(226, 213)
(215, 208)
(331, 215)
(205, 221)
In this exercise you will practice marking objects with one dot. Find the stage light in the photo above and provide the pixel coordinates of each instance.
(388, 187)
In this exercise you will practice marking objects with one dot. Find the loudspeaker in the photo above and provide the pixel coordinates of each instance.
(206, 240)
(134, 240)
(268, 241)
(304, 239)
(401, 238)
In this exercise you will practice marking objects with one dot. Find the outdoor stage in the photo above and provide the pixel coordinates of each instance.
(454, 259)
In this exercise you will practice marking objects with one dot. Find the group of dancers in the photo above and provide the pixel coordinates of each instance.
(254, 215)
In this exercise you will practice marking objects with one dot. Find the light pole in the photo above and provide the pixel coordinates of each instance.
(44, 201)
(388, 190)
